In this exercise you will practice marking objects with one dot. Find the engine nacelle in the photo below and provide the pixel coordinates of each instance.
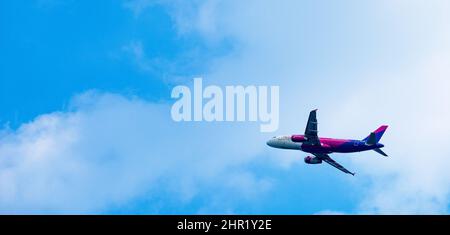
(312, 160)
(298, 138)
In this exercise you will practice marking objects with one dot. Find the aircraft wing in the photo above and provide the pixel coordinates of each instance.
(329, 160)
(311, 129)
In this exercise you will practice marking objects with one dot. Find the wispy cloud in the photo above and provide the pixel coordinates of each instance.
(136, 51)
(138, 6)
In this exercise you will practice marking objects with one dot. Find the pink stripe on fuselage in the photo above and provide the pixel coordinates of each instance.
(330, 142)
(298, 138)
(333, 143)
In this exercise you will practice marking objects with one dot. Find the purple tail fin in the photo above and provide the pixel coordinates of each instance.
(378, 133)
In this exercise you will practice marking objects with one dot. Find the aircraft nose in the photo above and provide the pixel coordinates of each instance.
(270, 142)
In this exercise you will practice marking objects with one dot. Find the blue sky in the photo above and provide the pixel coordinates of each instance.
(85, 106)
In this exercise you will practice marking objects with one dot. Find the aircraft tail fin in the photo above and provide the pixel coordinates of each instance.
(375, 136)
(380, 152)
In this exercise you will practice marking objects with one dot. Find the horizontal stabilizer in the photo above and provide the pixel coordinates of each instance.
(380, 152)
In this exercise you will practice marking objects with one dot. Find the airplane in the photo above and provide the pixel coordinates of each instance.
(322, 147)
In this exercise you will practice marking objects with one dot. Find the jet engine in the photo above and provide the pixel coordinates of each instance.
(312, 160)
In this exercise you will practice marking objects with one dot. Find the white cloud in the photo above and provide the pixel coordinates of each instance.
(415, 178)
(362, 65)
(359, 64)
(109, 149)
(328, 212)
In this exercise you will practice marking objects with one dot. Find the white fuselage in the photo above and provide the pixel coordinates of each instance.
(284, 142)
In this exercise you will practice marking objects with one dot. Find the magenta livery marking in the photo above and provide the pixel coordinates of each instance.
(321, 147)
